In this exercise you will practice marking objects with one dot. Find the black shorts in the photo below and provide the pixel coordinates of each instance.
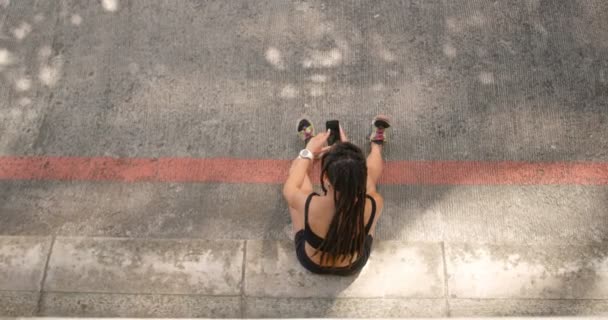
(339, 271)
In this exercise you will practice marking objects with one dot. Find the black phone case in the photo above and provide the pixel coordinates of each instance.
(334, 126)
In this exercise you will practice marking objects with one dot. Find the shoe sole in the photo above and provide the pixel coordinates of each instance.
(299, 120)
(381, 121)
(298, 125)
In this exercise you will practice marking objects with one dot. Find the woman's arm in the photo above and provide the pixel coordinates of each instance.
(299, 169)
(297, 172)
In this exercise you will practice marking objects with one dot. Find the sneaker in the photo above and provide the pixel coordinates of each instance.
(378, 133)
(305, 130)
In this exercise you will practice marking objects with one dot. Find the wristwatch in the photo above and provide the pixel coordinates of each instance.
(305, 154)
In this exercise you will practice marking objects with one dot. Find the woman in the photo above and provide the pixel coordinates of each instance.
(334, 231)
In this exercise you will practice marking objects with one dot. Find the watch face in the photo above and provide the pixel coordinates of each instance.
(305, 154)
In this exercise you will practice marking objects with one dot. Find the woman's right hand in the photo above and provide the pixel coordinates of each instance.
(316, 144)
(318, 148)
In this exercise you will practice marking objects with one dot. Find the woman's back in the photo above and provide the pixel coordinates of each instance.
(320, 215)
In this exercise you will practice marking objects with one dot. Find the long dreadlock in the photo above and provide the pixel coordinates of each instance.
(345, 168)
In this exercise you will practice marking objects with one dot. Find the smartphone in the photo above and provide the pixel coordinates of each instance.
(334, 136)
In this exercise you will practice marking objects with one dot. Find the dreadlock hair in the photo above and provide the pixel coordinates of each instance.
(345, 167)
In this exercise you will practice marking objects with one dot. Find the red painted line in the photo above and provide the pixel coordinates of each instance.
(275, 171)
(495, 173)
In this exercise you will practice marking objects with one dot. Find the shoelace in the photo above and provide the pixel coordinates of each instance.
(307, 132)
(379, 134)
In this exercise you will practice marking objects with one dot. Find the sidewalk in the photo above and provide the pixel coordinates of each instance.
(143, 145)
(119, 277)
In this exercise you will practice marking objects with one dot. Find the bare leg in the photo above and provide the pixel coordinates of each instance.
(374, 167)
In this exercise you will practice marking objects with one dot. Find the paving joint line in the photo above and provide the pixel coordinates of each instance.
(243, 278)
(445, 281)
(118, 293)
(114, 238)
(348, 298)
(427, 298)
(147, 294)
(303, 298)
(44, 274)
(17, 291)
(532, 299)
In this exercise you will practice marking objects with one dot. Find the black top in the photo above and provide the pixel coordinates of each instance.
(313, 239)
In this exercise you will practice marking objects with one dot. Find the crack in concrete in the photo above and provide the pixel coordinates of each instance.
(43, 280)
(243, 279)
(445, 280)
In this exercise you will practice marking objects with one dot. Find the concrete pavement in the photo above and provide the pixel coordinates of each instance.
(254, 278)
(471, 80)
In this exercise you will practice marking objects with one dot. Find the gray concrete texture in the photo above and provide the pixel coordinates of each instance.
(463, 80)
(488, 214)
(144, 265)
(518, 80)
(23, 260)
(253, 278)
(62, 304)
(416, 271)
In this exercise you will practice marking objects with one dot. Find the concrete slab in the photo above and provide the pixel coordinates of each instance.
(343, 308)
(532, 272)
(18, 303)
(416, 271)
(91, 47)
(209, 211)
(22, 262)
(527, 307)
(137, 306)
(29, 67)
(180, 77)
(145, 266)
(116, 77)
(489, 214)
(533, 215)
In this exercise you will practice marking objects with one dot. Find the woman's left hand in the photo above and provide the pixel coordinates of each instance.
(343, 137)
